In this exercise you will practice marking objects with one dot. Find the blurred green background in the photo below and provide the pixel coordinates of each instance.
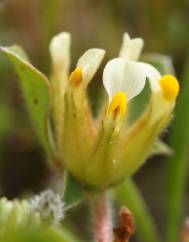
(164, 25)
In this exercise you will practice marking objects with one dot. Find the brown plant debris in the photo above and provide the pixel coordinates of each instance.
(127, 228)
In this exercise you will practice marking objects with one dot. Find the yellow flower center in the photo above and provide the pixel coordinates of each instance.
(118, 105)
(76, 76)
(170, 87)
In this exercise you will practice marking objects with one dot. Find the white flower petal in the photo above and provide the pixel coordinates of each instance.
(153, 75)
(113, 76)
(121, 75)
(90, 62)
(165, 60)
(60, 52)
(134, 79)
(131, 48)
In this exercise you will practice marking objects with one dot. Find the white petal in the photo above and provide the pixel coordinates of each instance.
(90, 62)
(121, 75)
(113, 76)
(131, 48)
(153, 75)
(60, 52)
(164, 60)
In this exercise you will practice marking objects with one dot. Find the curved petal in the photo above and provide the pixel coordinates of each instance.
(165, 61)
(131, 48)
(60, 52)
(89, 62)
(153, 75)
(134, 79)
(113, 76)
(129, 77)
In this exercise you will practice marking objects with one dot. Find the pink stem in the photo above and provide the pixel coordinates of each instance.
(102, 219)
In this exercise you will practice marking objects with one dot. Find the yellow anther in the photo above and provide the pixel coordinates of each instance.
(118, 105)
(76, 76)
(170, 87)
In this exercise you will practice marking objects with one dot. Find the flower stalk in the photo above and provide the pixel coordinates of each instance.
(102, 214)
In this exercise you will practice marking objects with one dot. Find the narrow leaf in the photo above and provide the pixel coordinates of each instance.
(177, 165)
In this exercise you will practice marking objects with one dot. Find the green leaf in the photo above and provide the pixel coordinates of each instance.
(177, 165)
(73, 192)
(127, 194)
(36, 91)
(19, 51)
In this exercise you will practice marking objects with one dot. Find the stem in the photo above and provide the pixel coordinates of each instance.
(102, 218)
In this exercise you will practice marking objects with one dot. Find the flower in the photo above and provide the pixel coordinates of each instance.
(98, 151)
(86, 68)
(88, 63)
(115, 150)
(128, 77)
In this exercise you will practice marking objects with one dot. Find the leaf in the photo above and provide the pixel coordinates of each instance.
(160, 148)
(73, 191)
(20, 52)
(177, 165)
(36, 92)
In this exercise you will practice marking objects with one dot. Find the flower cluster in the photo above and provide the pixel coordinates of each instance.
(101, 151)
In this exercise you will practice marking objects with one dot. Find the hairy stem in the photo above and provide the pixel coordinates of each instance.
(102, 218)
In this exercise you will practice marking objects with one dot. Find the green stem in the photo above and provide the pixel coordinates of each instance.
(128, 194)
(177, 165)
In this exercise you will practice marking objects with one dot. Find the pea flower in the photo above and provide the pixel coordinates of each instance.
(123, 149)
(103, 156)
(86, 68)
(98, 152)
